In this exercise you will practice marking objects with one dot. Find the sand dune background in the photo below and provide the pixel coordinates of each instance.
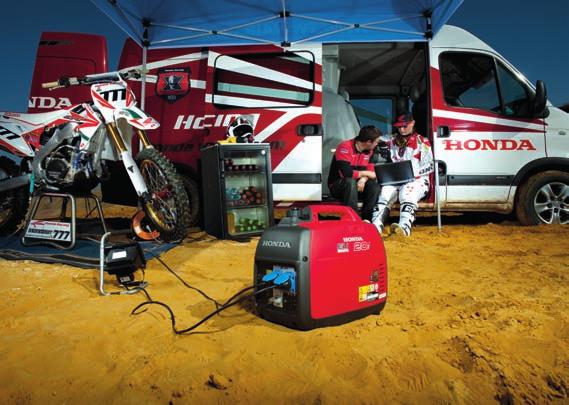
(476, 314)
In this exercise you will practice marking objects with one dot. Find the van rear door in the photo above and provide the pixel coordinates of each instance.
(281, 93)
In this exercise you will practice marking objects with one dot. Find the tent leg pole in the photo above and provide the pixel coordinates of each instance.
(143, 85)
(437, 197)
(143, 88)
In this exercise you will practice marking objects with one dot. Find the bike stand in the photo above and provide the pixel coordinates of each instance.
(59, 233)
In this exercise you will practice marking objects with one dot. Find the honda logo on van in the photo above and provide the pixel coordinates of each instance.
(489, 144)
(208, 121)
(49, 102)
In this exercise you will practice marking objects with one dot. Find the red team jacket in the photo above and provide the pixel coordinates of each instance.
(348, 162)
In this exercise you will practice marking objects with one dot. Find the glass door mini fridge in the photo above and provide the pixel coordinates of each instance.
(237, 189)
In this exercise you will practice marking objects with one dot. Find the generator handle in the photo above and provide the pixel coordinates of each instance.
(346, 213)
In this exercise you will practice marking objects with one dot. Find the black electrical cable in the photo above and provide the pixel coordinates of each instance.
(217, 304)
(219, 307)
(241, 292)
(194, 326)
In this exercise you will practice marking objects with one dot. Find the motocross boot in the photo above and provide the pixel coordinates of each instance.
(406, 219)
(380, 215)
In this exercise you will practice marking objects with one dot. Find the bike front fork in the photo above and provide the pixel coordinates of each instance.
(130, 165)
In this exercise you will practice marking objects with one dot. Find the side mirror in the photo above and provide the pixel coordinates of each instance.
(539, 109)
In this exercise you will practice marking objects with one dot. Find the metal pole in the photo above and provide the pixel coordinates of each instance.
(145, 44)
(143, 84)
(102, 264)
(437, 197)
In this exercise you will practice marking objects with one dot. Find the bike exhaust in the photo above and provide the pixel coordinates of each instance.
(14, 182)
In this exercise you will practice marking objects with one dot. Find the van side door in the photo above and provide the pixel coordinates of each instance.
(484, 133)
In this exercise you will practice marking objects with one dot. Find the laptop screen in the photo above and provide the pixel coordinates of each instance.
(394, 173)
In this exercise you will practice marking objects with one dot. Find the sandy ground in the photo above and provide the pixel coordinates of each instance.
(476, 314)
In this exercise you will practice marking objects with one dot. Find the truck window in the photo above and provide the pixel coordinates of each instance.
(264, 80)
(374, 111)
(469, 80)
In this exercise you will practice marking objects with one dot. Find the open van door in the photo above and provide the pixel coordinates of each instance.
(281, 94)
(483, 122)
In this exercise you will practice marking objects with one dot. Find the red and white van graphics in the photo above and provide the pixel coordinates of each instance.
(280, 92)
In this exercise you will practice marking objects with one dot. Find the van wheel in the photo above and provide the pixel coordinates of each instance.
(544, 199)
(193, 191)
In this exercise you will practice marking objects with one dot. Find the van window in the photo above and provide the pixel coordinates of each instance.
(374, 111)
(264, 80)
(515, 95)
(469, 80)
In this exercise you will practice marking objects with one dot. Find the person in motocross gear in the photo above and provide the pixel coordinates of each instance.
(351, 173)
(407, 144)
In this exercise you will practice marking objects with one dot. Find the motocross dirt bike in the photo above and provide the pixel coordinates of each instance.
(66, 150)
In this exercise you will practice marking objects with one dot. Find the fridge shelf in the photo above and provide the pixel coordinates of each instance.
(232, 173)
(240, 207)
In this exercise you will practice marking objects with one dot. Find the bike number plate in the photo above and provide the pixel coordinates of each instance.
(49, 230)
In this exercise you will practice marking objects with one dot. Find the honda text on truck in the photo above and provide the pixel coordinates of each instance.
(500, 145)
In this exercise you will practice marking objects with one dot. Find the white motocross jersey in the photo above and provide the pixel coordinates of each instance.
(417, 150)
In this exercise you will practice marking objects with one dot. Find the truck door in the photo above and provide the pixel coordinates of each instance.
(483, 130)
(281, 93)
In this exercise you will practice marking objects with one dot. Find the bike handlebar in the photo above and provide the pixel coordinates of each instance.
(50, 85)
(67, 81)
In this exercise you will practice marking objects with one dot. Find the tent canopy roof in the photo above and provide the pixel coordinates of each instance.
(178, 23)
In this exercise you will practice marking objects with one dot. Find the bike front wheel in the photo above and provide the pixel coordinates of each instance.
(167, 206)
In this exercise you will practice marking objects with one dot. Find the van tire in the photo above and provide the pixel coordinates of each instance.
(194, 198)
(544, 189)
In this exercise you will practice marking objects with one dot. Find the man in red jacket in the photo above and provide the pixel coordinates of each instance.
(351, 173)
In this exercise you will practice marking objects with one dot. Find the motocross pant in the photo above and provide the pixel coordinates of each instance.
(409, 195)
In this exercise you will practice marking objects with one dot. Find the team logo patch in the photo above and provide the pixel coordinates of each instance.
(173, 83)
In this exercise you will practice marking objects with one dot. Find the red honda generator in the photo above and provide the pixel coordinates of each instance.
(321, 266)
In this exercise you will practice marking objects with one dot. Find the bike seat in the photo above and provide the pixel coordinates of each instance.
(34, 119)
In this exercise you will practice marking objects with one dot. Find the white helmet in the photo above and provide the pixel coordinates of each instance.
(241, 129)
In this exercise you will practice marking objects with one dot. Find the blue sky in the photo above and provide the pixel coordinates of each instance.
(533, 36)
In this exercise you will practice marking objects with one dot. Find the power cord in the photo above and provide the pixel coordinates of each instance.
(229, 303)
(219, 307)
(217, 304)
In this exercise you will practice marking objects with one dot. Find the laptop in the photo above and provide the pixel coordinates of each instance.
(394, 173)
